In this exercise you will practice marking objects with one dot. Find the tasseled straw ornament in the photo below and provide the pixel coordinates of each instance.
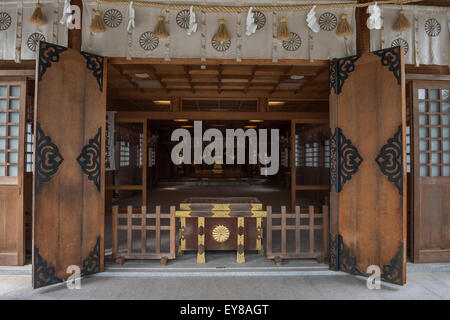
(37, 17)
(222, 34)
(96, 23)
(402, 23)
(344, 29)
(283, 31)
(160, 30)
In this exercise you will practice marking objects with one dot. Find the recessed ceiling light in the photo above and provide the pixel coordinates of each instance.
(256, 121)
(181, 120)
(142, 75)
(276, 103)
(162, 102)
(250, 127)
(186, 126)
(296, 77)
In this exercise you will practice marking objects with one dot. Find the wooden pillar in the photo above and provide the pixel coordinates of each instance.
(176, 104)
(262, 104)
(362, 32)
(144, 161)
(293, 169)
(74, 38)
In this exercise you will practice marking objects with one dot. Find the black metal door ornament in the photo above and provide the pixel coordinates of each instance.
(390, 160)
(89, 159)
(338, 72)
(391, 57)
(340, 259)
(47, 159)
(344, 158)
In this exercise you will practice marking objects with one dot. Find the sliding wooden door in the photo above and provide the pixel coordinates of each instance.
(368, 172)
(431, 165)
(12, 132)
(68, 208)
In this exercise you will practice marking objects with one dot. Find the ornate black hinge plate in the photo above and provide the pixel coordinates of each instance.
(47, 159)
(48, 53)
(95, 64)
(339, 69)
(390, 160)
(92, 263)
(89, 159)
(394, 272)
(342, 260)
(344, 158)
(391, 57)
(44, 275)
(333, 248)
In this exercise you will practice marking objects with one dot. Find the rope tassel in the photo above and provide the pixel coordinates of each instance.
(283, 31)
(37, 17)
(402, 23)
(222, 34)
(160, 30)
(344, 29)
(96, 23)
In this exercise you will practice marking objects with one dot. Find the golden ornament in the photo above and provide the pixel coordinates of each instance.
(221, 233)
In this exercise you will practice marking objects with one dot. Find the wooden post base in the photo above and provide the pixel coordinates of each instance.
(277, 260)
(120, 260)
(164, 261)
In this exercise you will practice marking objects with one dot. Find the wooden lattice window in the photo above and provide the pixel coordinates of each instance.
(11, 115)
(433, 121)
(124, 153)
(29, 148)
(326, 153)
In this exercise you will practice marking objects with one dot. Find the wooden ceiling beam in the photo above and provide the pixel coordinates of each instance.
(199, 62)
(189, 78)
(128, 93)
(307, 117)
(127, 77)
(249, 81)
(286, 72)
(157, 76)
(219, 77)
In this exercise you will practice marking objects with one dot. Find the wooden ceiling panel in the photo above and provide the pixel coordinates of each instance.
(147, 81)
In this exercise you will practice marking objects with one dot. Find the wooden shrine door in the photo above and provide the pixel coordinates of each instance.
(68, 197)
(368, 171)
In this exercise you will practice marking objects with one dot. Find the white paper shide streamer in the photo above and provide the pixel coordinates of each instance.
(374, 21)
(312, 20)
(67, 17)
(192, 24)
(251, 26)
(131, 24)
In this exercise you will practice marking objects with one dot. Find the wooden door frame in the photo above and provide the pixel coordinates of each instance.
(294, 186)
(294, 117)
